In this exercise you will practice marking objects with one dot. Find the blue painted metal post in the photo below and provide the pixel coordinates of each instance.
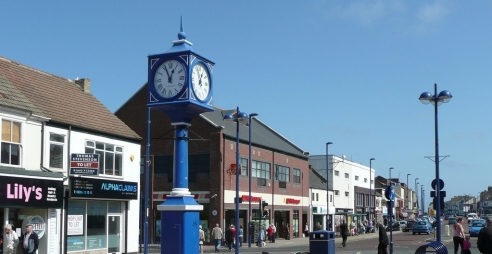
(238, 167)
(250, 232)
(438, 189)
(180, 213)
(147, 185)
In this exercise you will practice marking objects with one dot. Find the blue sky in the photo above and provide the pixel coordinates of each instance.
(348, 72)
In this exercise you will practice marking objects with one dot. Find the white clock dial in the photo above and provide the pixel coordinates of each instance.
(201, 81)
(169, 78)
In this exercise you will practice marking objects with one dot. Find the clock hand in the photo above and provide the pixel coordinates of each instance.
(168, 78)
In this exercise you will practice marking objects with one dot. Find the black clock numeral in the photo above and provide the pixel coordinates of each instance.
(180, 85)
(159, 87)
(180, 71)
(206, 83)
(176, 90)
(170, 64)
(181, 77)
(157, 81)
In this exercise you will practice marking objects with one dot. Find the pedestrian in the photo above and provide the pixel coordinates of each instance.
(217, 236)
(233, 229)
(270, 233)
(274, 232)
(484, 242)
(306, 230)
(1, 243)
(30, 241)
(353, 231)
(466, 245)
(201, 235)
(383, 240)
(344, 232)
(11, 240)
(287, 231)
(318, 226)
(229, 237)
(369, 227)
(241, 236)
(458, 235)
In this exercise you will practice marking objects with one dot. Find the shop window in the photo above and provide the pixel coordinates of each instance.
(96, 224)
(57, 144)
(110, 157)
(11, 146)
(76, 225)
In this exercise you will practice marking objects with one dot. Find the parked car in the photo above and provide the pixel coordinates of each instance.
(446, 217)
(452, 220)
(471, 216)
(422, 226)
(403, 224)
(396, 226)
(409, 226)
(475, 227)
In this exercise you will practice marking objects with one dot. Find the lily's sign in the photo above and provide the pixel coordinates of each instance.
(30, 192)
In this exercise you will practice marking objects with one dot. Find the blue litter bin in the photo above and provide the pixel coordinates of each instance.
(322, 242)
(438, 247)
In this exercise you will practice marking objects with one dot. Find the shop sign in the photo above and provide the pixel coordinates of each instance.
(37, 223)
(75, 225)
(18, 192)
(292, 201)
(102, 188)
(253, 199)
(341, 210)
(84, 164)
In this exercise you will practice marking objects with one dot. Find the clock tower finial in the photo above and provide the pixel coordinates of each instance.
(181, 34)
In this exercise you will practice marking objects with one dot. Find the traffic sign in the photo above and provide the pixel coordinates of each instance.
(434, 184)
(390, 193)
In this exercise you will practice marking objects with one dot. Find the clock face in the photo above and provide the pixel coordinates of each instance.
(201, 81)
(170, 78)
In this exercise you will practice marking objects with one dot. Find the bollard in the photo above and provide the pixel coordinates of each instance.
(435, 233)
(446, 230)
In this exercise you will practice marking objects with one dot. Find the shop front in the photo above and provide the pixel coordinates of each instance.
(97, 215)
(33, 200)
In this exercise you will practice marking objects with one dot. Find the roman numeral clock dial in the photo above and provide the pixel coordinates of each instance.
(201, 81)
(169, 78)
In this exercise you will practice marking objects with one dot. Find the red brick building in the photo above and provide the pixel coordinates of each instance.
(280, 169)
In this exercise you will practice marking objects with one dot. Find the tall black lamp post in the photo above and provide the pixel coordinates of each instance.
(327, 188)
(371, 203)
(408, 200)
(436, 100)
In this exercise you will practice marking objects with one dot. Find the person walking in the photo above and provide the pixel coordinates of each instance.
(458, 235)
(201, 236)
(241, 236)
(344, 231)
(11, 240)
(229, 237)
(274, 233)
(217, 236)
(484, 241)
(30, 241)
(383, 240)
(270, 233)
(306, 230)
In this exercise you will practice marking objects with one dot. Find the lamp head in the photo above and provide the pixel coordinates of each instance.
(229, 118)
(253, 115)
(444, 96)
(409, 174)
(371, 159)
(329, 143)
(242, 117)
(426, 98)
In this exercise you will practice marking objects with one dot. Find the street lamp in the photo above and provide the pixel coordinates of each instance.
(327, 187)
(417, 195)
(250, 233)
(371, 203)
(390, 212)
(422, 197)
(436, 100)
(408, 200)
(240, 117)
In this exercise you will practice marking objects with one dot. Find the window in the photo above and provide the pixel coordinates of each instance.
(337, 172)
(372, 181)
(57, 143)
(356, 178)
(346, 194)
(365, 180)
(331, 198)
(282, 173)
(312, 197)
(346, 175)
(337, 193)
(297, 175)
(11, 146)
(96, 224)
(260, 169)
(317, 196)
(244, 166)
(110, 157)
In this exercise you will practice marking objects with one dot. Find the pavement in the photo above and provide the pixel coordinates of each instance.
(298, 241)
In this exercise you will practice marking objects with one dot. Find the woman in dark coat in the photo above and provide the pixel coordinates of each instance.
(383, 240)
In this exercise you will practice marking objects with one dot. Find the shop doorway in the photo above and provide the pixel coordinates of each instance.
(114, 236)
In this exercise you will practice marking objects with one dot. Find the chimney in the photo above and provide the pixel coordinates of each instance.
(84, 84)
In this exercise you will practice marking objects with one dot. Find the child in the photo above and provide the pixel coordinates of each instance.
(466, 245)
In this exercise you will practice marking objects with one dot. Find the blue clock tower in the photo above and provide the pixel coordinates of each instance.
(180, 84)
